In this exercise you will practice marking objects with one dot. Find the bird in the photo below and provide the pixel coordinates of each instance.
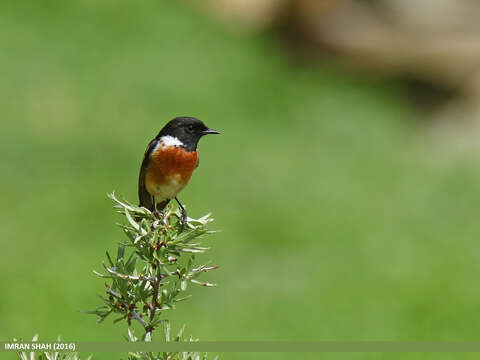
(169, 162)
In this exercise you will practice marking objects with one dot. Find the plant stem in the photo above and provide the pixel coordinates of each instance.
(133, 312)
(156, 286)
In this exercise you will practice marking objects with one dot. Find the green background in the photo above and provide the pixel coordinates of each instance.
(339, 220)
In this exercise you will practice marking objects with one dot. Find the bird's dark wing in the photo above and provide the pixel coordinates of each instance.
(144, 196)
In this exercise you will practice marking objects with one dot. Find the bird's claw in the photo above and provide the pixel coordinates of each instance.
(183, 220)
(158, 214)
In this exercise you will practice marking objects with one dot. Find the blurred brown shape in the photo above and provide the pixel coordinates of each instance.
(253, 14)
(434, 42)
(438, 40)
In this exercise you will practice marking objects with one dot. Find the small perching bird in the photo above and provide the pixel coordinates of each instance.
(169, 162)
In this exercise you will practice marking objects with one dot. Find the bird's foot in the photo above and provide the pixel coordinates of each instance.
(183, 220)
(158, 214)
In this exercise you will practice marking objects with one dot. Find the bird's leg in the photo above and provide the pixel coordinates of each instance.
(156, 213)
(184, 214)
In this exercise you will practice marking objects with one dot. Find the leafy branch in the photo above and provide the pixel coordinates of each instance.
(152, 271)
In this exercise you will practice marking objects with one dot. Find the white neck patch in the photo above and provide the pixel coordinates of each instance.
(167, 141)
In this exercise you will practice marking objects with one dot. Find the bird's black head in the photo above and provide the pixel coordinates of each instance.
(188, 130)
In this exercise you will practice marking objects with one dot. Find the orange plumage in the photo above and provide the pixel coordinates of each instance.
(169, 170)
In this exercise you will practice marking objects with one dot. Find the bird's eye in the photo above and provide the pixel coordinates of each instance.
(190, 128)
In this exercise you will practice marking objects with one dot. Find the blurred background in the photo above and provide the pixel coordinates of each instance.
(345, 181)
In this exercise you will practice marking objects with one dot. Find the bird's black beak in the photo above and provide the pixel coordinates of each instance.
(210, 131)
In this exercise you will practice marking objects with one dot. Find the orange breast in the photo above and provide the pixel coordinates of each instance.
(169, 170)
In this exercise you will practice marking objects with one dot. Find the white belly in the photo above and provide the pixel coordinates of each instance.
(168, 190)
